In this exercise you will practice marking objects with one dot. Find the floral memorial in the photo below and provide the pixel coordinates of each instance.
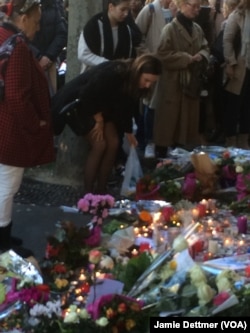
(172, 249)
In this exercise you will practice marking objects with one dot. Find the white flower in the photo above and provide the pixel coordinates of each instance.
(103, 321)
(83, 314)
(218, 161)
(205, 293)
(180, 244)
(23, 282)
(71, 317)
(239, 169)
(197, 275)
(106, 262)
(177, 185)
(223, 284)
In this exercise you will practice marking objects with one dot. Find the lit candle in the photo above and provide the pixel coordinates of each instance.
(195, 213)
(134, 252)
(80, 298)
(136, 230)
(204, 202)
(82, 277)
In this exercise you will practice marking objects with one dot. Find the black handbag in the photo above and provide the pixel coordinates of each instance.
(72, 115)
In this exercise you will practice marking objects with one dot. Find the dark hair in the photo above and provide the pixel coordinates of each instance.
(146, 63)
(106, 3)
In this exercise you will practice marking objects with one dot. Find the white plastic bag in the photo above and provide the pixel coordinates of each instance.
(133, 172)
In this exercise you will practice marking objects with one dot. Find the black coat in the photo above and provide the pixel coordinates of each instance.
(100, 89)
(129, 37)
(52, 37)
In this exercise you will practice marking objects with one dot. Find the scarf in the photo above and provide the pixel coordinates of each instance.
(245, 50)
(98, 36)
(185, 22)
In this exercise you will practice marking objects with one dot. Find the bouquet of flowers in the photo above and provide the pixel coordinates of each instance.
(162, 183)
(66, 246)
(96, 205)
(200, 294)
(120, 313)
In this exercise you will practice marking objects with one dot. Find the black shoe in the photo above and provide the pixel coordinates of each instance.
(22, 251)
(16, 241)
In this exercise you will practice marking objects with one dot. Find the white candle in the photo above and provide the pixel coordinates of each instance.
(212, 246)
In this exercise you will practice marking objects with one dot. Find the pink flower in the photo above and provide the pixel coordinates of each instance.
(97, 205)
(221, 298)
(95, 238)
(189, 186)
(95, 256)
(167, 212)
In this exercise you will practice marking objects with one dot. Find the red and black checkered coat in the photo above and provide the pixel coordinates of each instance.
(26, 101)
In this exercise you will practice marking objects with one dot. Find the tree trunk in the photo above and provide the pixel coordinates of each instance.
(72, 149)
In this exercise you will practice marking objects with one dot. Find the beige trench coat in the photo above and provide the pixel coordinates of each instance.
(177, 115)
(235, 22)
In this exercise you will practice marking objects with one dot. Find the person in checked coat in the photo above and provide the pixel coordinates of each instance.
(26, 134)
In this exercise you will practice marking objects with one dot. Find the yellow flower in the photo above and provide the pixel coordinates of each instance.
(61, 283)
(130, 323)
(173, 265)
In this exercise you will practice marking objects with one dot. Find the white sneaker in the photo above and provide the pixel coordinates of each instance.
(150, 151)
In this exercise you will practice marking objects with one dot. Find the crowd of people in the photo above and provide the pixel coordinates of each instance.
(170, 67)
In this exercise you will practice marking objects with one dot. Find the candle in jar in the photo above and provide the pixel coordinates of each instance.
(247, 271)
(213, 246)
(242, 224)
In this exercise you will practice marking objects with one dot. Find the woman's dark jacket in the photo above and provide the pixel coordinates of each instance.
(100, 89)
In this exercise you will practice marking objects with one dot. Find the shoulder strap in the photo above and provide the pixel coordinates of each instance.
(6, 50)
(151, 12)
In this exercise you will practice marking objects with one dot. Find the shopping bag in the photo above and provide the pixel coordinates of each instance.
(133, 172)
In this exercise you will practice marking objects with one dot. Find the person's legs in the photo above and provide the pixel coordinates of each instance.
(10, 181)
(93, 162)
(112, 143)
(148, 130)
(231, 117)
